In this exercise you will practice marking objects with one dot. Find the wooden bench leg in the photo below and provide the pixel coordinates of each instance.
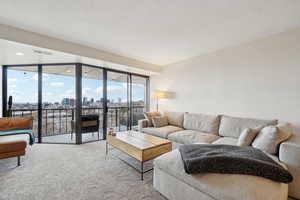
(19, 160)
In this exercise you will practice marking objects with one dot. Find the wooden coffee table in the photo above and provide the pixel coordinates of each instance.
(140, 146)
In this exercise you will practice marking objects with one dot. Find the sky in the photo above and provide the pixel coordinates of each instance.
(24, 88)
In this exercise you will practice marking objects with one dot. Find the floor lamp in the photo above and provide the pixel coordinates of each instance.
(160, 95)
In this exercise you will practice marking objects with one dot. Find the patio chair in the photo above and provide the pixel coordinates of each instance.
(89, 124)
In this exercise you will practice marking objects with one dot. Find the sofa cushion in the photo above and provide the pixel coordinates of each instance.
(175, 118)
(233, 126)
(190, 137)
(150, 115)
(162, 131)
(201, 122)
(247, 136)
(269, 138)
(217, 186)
(160, 121)
(226, 140)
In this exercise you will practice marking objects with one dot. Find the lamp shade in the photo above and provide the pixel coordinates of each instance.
(162, 94)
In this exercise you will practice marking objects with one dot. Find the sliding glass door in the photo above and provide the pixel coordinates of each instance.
(92, 103)
(138, 99)
(118, 114)
(58, 104)
(74, 102)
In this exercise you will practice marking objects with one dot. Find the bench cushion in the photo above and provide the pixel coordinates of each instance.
(12, 146)
(16, 123)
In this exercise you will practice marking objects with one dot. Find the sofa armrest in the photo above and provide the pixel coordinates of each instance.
(289, 154)
(143, 123)
(289, 151)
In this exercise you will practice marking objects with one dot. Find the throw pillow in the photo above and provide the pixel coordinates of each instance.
(150, 115)
(160, 121)
(247, 136)
(269, 138)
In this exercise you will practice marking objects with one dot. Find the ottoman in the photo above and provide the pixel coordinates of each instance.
(171, 181)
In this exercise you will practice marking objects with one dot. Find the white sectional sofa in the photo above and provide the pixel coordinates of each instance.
(171, 180)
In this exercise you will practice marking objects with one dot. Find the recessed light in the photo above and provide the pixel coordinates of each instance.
(20, 54)
(69, 71)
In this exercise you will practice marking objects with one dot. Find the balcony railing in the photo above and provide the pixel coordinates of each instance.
(57, 121)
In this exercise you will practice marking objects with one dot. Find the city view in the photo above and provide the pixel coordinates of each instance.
(58, 100)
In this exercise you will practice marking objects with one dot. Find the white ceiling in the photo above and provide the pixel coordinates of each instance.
(154, 31)
(9, 51)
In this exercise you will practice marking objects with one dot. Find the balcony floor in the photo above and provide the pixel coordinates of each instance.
(66, 138)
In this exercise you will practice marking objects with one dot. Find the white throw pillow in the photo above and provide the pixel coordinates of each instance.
(247, 136)
(160, 121)
(269, 138)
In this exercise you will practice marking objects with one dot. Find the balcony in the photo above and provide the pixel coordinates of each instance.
(56, 122)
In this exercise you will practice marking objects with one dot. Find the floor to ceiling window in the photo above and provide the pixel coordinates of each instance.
(58, 104)
(50, 93)
(138, 99)
(118, 101)
(22, 94)
(92, 101)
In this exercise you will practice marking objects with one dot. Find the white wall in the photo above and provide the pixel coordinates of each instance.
(260, 79)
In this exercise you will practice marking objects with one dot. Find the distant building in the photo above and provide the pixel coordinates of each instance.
(65, 101)
(85, 101)
(72, 102)
(68, 102)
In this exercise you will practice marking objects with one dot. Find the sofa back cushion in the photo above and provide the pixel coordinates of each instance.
(233, 126)
(201, 122)
(175, 118)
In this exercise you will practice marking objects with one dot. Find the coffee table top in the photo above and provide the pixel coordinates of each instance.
(140, 140)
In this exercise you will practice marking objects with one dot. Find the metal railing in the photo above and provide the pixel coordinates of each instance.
(57, 121)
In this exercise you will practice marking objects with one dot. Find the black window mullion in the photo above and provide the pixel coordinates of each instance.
(130, 102)
(4, 91)
(78, 109)
(104, 103)
(147, 97)
(40, 100)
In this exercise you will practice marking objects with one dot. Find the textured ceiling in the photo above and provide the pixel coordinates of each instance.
(156, 31)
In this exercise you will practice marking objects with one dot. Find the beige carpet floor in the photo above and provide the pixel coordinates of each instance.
(72, 172)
